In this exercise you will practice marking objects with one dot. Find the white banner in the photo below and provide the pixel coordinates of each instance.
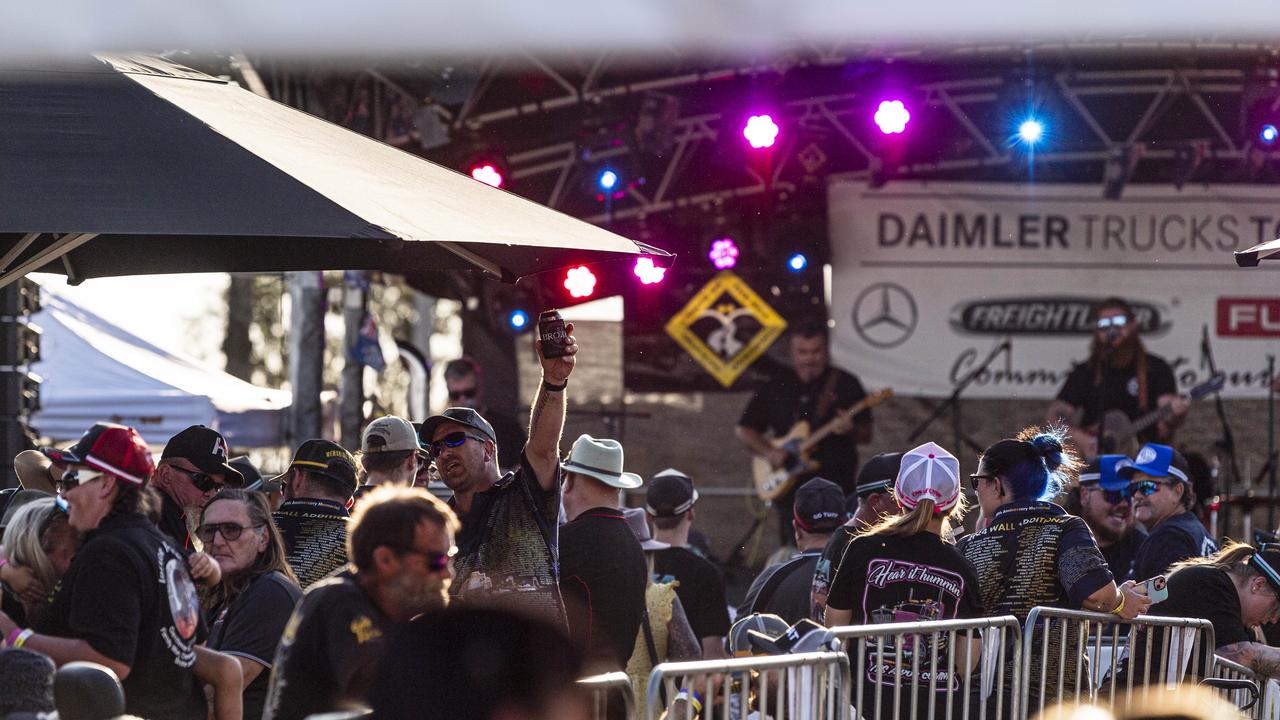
(927, 280)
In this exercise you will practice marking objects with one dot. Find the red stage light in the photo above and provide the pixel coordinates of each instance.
(488, 174)
(580, 281)
(760, 131)
(648, 273)
(892, 117)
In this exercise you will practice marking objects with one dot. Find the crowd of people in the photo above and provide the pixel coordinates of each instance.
(344, 584)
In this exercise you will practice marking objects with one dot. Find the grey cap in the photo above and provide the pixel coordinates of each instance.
(462, 416)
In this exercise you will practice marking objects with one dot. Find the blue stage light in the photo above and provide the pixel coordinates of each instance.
(518, 320)
(797, 262)
(1268, 134)
(1030, 131)
(607, 179)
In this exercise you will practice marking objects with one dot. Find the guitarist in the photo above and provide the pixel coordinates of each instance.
(1119, 375)
(815, 391)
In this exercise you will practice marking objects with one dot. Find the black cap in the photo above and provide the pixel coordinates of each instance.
(878, 474)
(805, 636)
(329, 459)
(1267, 562)
(819, 506)
(206, 449)
(670, 493)
(462, 416)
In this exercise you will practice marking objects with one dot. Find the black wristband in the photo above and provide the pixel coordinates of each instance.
(555, 388)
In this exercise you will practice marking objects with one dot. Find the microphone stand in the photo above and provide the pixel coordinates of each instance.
(1228, 438)
(1271, 441)
(1102, 446)
(952, 403)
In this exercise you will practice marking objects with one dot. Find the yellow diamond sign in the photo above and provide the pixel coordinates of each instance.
(726, 327)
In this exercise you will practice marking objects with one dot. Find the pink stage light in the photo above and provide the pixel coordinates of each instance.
(724, 253)
(649, 273)
(760, 131)
(892, 117)
(580, 281)
(488, 174)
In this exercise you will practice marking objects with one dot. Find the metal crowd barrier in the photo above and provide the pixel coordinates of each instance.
(604, 688)
(920, 656)
(804, 686)
(1074, 655)
(1258, 701)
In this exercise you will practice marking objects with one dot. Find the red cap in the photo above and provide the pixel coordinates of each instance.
(114, 449)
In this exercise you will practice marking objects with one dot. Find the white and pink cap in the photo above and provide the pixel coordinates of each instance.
(929, 472)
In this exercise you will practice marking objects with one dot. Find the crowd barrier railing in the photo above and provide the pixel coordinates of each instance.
(1261, 701)
(606, 687)
(804, 686)
(1074, 655)
(900, 669)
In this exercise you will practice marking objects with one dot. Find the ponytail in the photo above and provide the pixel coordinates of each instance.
(1036, 465)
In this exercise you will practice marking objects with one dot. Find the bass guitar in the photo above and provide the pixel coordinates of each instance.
(1118, 431)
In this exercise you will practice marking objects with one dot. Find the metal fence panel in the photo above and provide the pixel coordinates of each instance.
(804, 686)
(612, 687)
(950, 669)
(1074, 655)
(1266, 706)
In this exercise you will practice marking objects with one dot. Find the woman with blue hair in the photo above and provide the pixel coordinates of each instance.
(1031, 552)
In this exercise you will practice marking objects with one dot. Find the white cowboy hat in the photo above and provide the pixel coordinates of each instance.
(602, 460)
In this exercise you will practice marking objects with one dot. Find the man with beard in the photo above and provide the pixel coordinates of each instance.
(1119, 375)
(1104, 502)
(1162, 500)
(400, 544)
(508, 547)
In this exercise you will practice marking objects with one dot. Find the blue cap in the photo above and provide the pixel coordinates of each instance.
(1157, 461)
(1105, 471)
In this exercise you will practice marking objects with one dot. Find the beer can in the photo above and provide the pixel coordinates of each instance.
(551, 331)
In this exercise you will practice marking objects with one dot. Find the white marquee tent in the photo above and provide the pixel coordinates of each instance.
(93, 370)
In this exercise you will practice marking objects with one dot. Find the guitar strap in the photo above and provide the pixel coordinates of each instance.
(827, 397)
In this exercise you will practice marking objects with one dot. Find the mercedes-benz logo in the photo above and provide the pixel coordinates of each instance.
(884, 315)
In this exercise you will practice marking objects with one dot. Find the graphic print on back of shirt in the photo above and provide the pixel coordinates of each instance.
(184, 606)
(901, 591)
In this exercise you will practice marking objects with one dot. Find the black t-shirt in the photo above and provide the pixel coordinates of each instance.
(129, 594)
(699, 586)
(825, 571)
(1119, 390)
(1178, 538)
(1194, 592)
(788, 595)
(173, 523)
(251, 626)
(602, 579)
(784, 401)
(885, 579)
(1121, 555)
(329, 652)
(315, 537)
(503, 556)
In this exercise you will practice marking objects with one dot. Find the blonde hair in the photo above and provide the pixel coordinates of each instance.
(24, 542)
(1233, 559)
(917, 520)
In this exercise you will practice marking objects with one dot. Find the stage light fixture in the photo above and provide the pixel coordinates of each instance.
(1268, 134)
(489, 174)
(723, 253)
(892, 117)
(607, 179)
(1030, 131)
(797, 262)
(518, 320)
(580, 281)
(760, 131)
(648, 273)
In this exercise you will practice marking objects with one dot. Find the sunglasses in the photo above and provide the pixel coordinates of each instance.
(230, 531)
(1113, 497)
(974, 478)
(1146, 487)
(1118, 321)
(436, 561)
(452, 440)
(465, 394)
(72, 479)
(204, 482)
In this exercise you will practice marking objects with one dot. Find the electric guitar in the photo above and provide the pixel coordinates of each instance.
(772, 483)
(1118, 430)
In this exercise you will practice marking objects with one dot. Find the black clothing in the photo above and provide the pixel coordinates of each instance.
(699, 586)
(1119, 390)
(788, 595)
(173, 523)
(602, 578)
(329, 652)
(825, 571)
(1194, 592)
(1120, 556)
(315, 537)
(784, 401)
(251, 626)
(511, 438)
(503, 548)
(888, 579)
(129, 594)
(1178, 538)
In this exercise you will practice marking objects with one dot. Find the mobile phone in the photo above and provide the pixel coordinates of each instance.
(1157, 588)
